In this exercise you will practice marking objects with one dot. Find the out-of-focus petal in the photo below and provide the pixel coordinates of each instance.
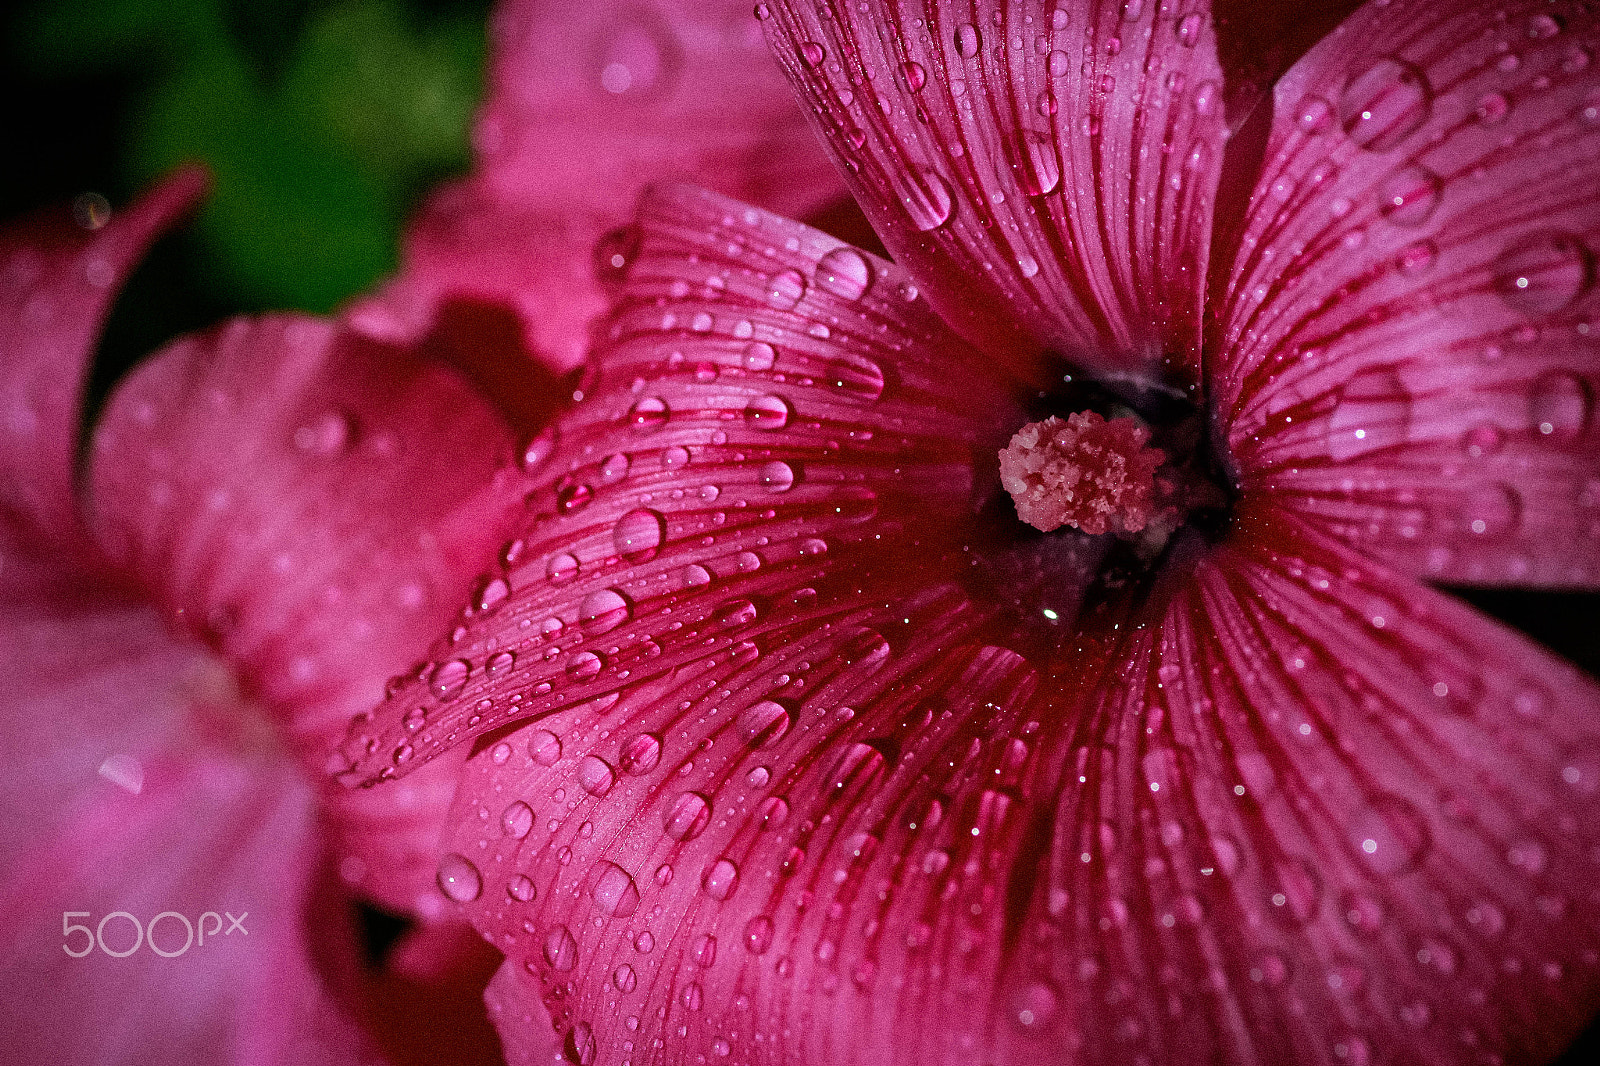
(59, 271)
(588, 104)
(1412, 326)
(138, 782)
(770, 412)
(1308, 811)
(315, 506)
(1048, 176)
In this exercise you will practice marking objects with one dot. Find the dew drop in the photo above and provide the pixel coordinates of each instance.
(1188, 30)
(773, 812)
(614, 892)
(560, 948)
(784, 290)
(844, 272)
(573, 496)
(449, 678)
(614, 254)
(764, 723)
(584, 666)
(927, 198)
(500, 663)
(1385, 104)
(720, 879)
(915, 76)
(767, 412)
(968, 40)
(1035, 1006)
(812, 54)
(561, 568)
(1410, 195)
(624, 979)
(638, 534)
(521, 888)
(758, 935)
(1492, 109)
(458, 879)
(650, 413)
(1544, 273)
(1389, 834)
(759, 356)
(694, 576)
(687, 816)
(516, 820)
(776, 476)
(1314, 116)
(1493, 510)
(1560, 405)
(640, 755)
(1373, 412)
(602, 611)
(544, 747)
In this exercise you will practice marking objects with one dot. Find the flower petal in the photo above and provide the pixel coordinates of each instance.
(1323, 815)
(763, 391)
(586, 106)
(1049, 180)
(135, 783)
(1412, 356)
(313, 505)
(58, 274)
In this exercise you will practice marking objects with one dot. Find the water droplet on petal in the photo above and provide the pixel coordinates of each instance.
(640, 755)
(759, 356)
(844, 272)
(1188, 30)
(584, 666)
(544, 747)
(767, 412)
(449, 678)
(561, 568)
(720, 879)
(1373, 411)
(1389, 834)
(649, 413)
(812, 54)
(459, 880)
(1385, 104)
(624, 978)
(1493, 510)
(615, 467)
(758, 935)
(764, 723)
(784, 290)
(602, 611)
(500, 663)
(694, 576)
(521, 888)
(927, 198)
(687, 816)
(1314, 116)
(595, 775)
(516, 820)
(1410, 195)
(560, 948)
(968, 40)
(614, 892)
(1035, 1005)
(776, 476)
(1544, 272)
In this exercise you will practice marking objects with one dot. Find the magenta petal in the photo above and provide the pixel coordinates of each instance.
(1322, 815)
(1410, 326)
(762, 393)
(59, 271)
(588, 104)
(313, 505)
(1048, 176)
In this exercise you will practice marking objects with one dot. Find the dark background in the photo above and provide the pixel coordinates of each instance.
(322, 122)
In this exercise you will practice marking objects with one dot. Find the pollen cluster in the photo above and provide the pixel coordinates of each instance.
(1085, 471)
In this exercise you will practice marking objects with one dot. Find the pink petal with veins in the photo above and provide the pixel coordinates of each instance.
(586, 106)
(1047, 177)
(58, 275)
(1411, 328)
(313, 505)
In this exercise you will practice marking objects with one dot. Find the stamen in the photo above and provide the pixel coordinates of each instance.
(1086, 472)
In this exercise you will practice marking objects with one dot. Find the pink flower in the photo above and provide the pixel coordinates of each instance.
(265, 522)
(789, 742)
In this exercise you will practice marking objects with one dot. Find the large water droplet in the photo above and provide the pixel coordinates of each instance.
(624, 979)
(1385, 104)
(767, 412)
(1544, 272)
(844, 272)
(584, 666)
(595, 775)
(449, 678)
(759, 356)
(1493, 510)
(521, 888)
(763, 723)
(572, 496)
(1560, 404)
(614, 253)
(776, 476)
(784, 290)
(758, 935)
(1188, 30)
(687, 816)
(602, 611)
(516, 820)
(812, 54)
(615, 467)
(459, 880)
(561, 568)
(638, 534)
(720, 879)
(1035, 1005)
(773, 812)
(927, 198)
(640, 755)
(1389, 834)
(1373, 411)
(1410, 195)
(968, 40)
(649, 413)
(560, 948)
(614, 891)
(544, 747)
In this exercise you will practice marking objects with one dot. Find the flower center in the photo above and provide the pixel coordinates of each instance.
(1095, 475)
